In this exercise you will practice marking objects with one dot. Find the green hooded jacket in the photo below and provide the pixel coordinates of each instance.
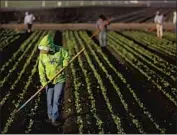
(50, 64)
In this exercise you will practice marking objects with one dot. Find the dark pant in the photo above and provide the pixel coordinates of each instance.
(29, 26)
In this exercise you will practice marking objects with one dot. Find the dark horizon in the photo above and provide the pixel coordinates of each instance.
(38, 5)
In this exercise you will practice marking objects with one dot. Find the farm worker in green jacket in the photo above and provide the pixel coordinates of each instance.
(51, 59)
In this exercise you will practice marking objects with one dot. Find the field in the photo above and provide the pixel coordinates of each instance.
(127, 87)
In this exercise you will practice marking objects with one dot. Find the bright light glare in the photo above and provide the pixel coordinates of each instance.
(59, 3)
(93, 2)
(134, 1)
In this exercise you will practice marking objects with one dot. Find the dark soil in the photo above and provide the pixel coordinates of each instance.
(12, 48)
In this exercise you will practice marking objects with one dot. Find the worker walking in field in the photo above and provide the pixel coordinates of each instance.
(28, 21)
(174, 20)
(51, 59)
(159, 24)
(101, 26)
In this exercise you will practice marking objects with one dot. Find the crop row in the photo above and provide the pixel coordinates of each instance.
(20, 98)
(93, 65)
(124, 81)
(5, 34)
(33, 112)
(23, 49)
(99, 122)
(19, 101)
(77, 86)
(5, 79)
(103, 88)
(170, 36)
(88, 120)
(110, 78)
(148, 40)
(143, 69)
(37, 99)
(157, 61)
(8, 41)
(145, 64)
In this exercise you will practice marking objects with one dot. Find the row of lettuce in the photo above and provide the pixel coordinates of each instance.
(82, 39)
(16, 100)
(158, 71)
(7, 37)
(154, 68)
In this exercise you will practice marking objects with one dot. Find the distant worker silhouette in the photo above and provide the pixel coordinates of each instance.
(101, 26)
(28, 21)
(159, 19)
(174, 20)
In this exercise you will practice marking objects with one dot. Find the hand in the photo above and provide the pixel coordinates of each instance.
(44, 84)
(65, 63)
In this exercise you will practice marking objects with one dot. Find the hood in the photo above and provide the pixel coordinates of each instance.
(47, 43)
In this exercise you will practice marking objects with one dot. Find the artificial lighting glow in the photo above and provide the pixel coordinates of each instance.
(93, 2)
(81, 3)
(126, 2)
(134, 1)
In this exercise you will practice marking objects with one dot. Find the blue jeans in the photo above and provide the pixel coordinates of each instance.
(102, 38)
(54, 92)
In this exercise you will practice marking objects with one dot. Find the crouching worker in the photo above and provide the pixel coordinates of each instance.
(51, 59)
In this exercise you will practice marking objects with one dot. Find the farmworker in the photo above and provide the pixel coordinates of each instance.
(159, 24)
(28, 20)
(174, 20)
(101, 26)
(51, 59)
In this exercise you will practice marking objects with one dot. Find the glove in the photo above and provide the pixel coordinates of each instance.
(65, 63)
(44, 84)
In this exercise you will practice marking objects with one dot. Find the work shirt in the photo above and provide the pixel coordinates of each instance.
(29, 19)
(50, 64)
(158, 19)
(102, 24)
(174, 18)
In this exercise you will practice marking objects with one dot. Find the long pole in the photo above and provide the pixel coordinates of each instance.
(49, 81)
(95, 33)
